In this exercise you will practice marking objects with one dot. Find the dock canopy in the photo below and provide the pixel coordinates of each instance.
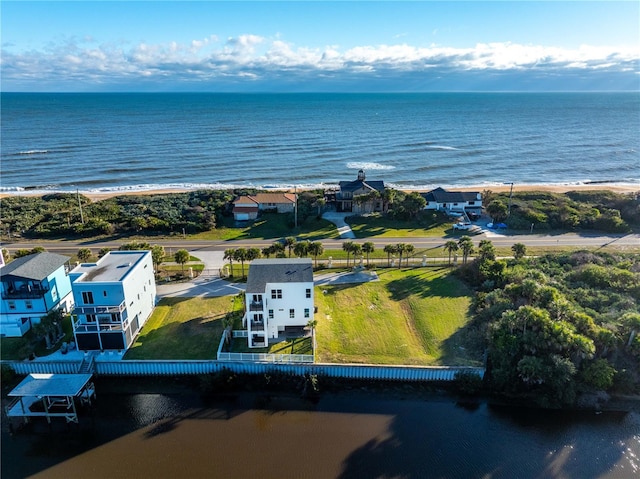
(52, 385)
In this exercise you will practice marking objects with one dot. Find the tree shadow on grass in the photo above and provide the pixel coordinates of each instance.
(427, 283)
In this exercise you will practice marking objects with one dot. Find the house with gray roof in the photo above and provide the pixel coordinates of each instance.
(31, 287)
(360, 196)
(114, 298)
(279, 298)
(456, 201)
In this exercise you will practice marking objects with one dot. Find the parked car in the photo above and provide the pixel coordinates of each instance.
(462, 226)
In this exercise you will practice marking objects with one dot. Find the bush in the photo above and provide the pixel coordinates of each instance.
(467, 383)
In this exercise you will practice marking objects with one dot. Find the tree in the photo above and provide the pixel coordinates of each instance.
(400, 248)
(289, 243)
(486, 250)
(301, 248)
(356, 250)
(390, 249)
(103, 251)
(519, 250)
(389, 196)
(497, 210)
(229, 255)
(135, 246)
(278, 249)
(157, 255)
(408, 251)
(240, 255)
(466, 246)
(450, 247)
(413, 203)
(253, 253)
(347, 246)
(599, 374)
(84, 254)
(320, 202)
(6, 256)
(181, 257)
(267, 251)
(368, 248)
(316, 249)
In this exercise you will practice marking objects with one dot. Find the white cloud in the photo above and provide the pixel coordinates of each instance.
(255, 57)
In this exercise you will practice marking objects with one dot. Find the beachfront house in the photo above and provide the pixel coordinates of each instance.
(360, 196)
(113, 299)
(279, 298)
(31, 287)
(247, 207)
(453, 201)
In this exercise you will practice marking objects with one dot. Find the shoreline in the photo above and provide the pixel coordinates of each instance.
(501, 188)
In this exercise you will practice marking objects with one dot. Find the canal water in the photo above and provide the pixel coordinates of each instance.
(176, 433)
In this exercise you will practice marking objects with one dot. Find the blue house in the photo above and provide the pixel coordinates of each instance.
(31, 287)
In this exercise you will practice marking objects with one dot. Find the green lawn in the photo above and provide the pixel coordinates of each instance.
(411, 316)
(288, 346)
(271, 226)
(382, 226)
(183, 328)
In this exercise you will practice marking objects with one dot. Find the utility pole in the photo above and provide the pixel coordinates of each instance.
(295, 206)
(80, 205)
(510, 196)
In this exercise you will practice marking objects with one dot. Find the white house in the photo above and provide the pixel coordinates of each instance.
(31, 287)
(458, 201)
(247, 207)
(279, 297)
(113, 299)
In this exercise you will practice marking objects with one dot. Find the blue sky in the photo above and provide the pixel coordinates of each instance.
(319, 46)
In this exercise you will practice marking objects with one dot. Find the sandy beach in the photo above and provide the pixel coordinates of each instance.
(618, 188)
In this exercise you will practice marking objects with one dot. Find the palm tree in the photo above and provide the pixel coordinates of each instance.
(253, 253)
(320, 202)
(301, 248)
(519, 250)
(316, 249)
(408, 250)
(278, 248)
(466, 246)
(229, 254)
(487, 250)
(181, 257)
(389, 249)
(240, 255)
(368, 248)
(400, 248)
(451, 247)
(84, 254)
(356, 250)
(289, 243)
(267, 251)
(347, 246)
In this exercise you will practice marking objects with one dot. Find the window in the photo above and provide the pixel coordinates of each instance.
(271, 314)
(276, 294)
(292, 313)
(308, 292)
(104, 293)
(91, 318)
(28, 304)
(115, 318)
(12, 305)
(87, 297)
(306, 312)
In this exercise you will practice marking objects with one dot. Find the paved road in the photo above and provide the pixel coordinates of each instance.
(201, 246)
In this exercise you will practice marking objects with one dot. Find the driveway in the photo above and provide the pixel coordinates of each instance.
(345, 278)
(338, 219)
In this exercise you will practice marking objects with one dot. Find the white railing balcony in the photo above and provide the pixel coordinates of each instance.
(115, 309)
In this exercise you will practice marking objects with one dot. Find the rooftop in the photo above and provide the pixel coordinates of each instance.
(51, 385)
(278, 270)
(34, 266)
(441, 195)
(112, 267)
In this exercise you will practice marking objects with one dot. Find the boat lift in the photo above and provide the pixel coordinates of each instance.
(50, 395)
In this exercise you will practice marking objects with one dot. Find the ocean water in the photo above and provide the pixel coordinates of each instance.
(133, 141)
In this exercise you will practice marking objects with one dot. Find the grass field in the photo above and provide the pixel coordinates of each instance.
(382, 226)
(288, 346)
(411, 316)
(271, 226)
(183, 328)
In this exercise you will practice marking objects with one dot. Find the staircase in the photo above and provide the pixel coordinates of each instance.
(87, 364)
